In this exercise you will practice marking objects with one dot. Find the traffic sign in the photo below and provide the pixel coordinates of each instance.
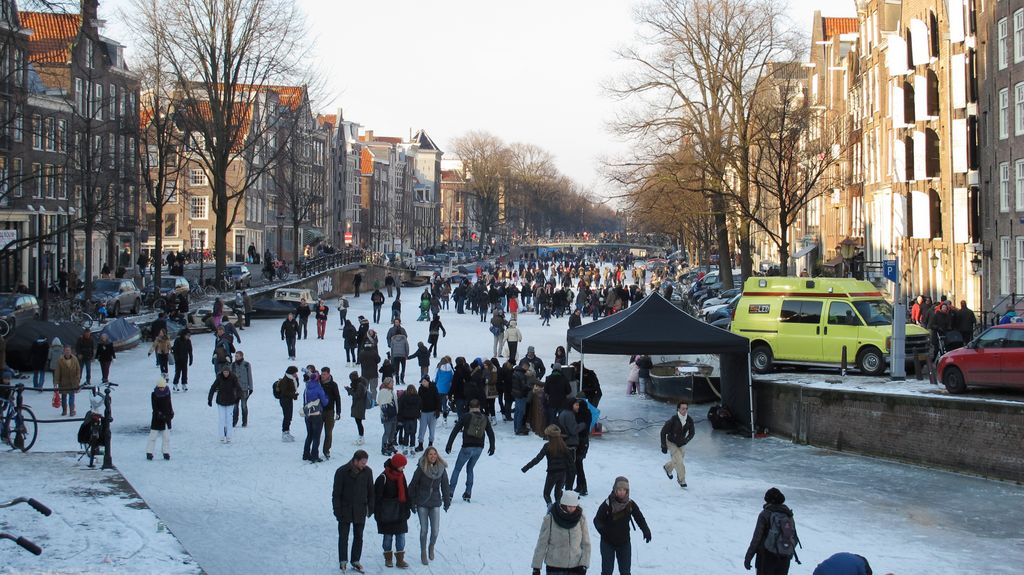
(891, 270)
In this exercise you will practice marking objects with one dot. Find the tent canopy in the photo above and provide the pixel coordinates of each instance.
(655, 326)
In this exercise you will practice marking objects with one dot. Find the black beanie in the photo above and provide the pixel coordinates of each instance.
(774, 496)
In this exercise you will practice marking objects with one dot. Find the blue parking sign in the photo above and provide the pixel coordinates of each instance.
(891, 270)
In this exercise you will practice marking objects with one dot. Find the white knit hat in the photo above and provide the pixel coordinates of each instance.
(570, 499)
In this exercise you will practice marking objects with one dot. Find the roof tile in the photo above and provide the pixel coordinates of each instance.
(52, 35)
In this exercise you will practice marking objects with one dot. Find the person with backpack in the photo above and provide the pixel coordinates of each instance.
(429, 490)
(342, 311)
(181, 350)
(612, 521)
(443, 382)
(350, 336)
(314, 402)
(388, 415)
(243, 372)
(570, 429)
(392, 508)
(377, 299)
(321, 318)
(289, 333)
(286, 391)
(775, 538)
(227, 390)
(357, 390)
(564, 541)
(368, 360)
(473, 426)
(160, 424)
(352, 499)
(399, 344)
(675, 434)
(559, 460)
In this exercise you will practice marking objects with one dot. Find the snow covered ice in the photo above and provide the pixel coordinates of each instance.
(253, 506)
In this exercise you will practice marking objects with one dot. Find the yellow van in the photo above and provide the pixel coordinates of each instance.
(807, 321)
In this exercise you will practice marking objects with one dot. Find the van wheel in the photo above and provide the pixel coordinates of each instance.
(953, 379)
(870, 361)
(761, 359)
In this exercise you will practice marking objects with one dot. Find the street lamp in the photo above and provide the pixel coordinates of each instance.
(847, 249)
(935, 260)
(280, 235)
(976, 264)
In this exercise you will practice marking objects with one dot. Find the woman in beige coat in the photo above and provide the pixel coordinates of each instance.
(68, 376)
(564, 541)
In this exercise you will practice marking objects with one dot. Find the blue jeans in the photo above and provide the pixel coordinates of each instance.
(610, 554)
(519, 414)
(470, 455)
(39, 378)
(87, 367)
(399, 540)
(67, 400)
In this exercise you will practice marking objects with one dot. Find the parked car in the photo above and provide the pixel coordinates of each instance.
(169, 286)
(993, 359)
(428, 270)
(722, 298)
(116, 294)
(240, 275)
(715, 313)
(18, 307)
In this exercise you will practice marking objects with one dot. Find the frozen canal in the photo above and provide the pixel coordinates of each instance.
(255, 507)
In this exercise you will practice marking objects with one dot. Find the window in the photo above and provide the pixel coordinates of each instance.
(37, 132)
(16, 177)
(113, 101)
(62, 135)
(199, 207)
(62, 182)
(198, 238)
(19, 124)
(50, 137)
(1018, 109)
(1004, 265)
(1004, 187)
(1018, 35)
(840, 313)
(49, 181)
(90, 54)
(196, 177)
(38, 176)
(801, 312)
(1002, 33)
(79, 96)
(1004, 111)
(1020, 261)
(171, 225)
(98, 106)
(1019, 184)
(171, 192)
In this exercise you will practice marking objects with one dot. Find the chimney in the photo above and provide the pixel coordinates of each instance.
(90, 12)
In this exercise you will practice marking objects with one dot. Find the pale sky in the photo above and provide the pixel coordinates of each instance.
(525, 70)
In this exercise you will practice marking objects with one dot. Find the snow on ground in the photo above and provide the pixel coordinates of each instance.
(255, 507)
(98, 525)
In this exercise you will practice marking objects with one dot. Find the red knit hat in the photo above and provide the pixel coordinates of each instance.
(398, 461)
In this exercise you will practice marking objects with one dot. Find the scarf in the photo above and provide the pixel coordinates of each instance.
(399, 478)
(618, 507)
(435, 471)
(564, 519)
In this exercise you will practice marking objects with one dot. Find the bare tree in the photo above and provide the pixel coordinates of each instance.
(297, 196)
(532, 183)
(694, 83)
(486, 162)
(227, 55)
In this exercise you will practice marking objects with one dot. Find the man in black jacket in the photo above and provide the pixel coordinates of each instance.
(612, 521)
(332, 411)
(675, 434)
(289, 333)
(181, 349)
(556, 393)
(768, 562)
(353, 503)
(520, 393)
(472, 445)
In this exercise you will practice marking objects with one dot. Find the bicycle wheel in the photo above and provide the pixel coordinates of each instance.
(5, 328)
(160, 304)
(83, 319)
(25, 420)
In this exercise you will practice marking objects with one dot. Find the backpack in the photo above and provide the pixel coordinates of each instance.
(476, 426)
(781, 539)
(277, 389)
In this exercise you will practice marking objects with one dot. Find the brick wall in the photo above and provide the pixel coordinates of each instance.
(976, 437)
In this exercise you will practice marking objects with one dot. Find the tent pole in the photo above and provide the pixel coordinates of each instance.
(750, 393)
(580, 374)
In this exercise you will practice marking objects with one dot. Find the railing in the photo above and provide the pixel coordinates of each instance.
(320, 264)
(991, 317)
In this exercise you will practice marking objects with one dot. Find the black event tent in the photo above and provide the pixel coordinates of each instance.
(656, 327)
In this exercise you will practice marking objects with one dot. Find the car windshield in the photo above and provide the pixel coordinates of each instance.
(167, 282)
(7, 301)
(875, 311)
(106, 285)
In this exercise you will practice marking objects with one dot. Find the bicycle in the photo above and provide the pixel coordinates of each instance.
(196, 291)
(25, 543)
(5, 328)
(95, 429)
(83, 314)
(18, 424)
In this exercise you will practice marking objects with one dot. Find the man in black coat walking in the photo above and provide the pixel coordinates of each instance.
(675, 434)
(353, 503)
(289, 333)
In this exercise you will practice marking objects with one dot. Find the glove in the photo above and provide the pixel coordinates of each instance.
(746, 564)
(337, 417)
(448, 450)
(490, 452)
(209, 404)
(446, 506)
(536, 572)
(523, 470)
(664, 450)
(413, 510)
(647, 537)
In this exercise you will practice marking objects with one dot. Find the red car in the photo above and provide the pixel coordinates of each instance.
(993, 359)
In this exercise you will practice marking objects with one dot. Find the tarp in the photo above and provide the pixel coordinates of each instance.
(655, 326)
(20, 342)
(122, 333)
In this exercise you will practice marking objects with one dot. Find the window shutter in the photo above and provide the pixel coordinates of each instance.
(920, 97)
(921, 215)
(899, 216)
(896, 104)
(961, 216)
(896, 55)
(920, 145)
(919, 40)
(955, 20)
(959, 133)
(958, 80)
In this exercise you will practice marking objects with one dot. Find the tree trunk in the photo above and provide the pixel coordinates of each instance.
(158, 245)
(722, 235)
(295, 242)
(784, 243)
(746, 258)
(220, 243)
(88, 258)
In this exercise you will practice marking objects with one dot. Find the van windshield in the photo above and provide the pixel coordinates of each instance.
(875, 311)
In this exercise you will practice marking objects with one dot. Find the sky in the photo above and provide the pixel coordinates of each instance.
(527, 71)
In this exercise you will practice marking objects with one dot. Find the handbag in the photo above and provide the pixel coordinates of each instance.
(389, 512)
(56, 399)
(312, 408)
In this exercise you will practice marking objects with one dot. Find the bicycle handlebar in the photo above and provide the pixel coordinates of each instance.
(40, 508)
(29, 546)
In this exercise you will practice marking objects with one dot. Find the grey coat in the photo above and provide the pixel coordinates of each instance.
(243, 371)
(399, 346)
(357, 390)
(570, 428)
(429, 492)
(353, 494)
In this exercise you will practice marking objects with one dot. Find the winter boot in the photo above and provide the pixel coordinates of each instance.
(149, 457)
(72, 412)
(400, 560)
(466, 497)
(167, 456)
(387, 559)
(419, 447)
(284, 436)
(358, 567)
(423, 557)
(344, 566)
(64, 412)
(430, 552)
